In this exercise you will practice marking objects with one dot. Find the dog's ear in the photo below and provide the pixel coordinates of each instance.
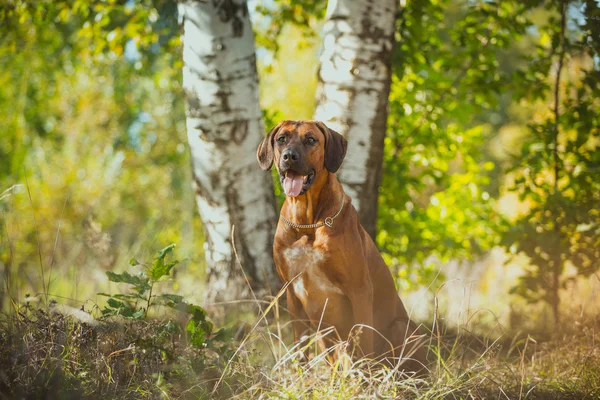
(335, 147)
(264, 153)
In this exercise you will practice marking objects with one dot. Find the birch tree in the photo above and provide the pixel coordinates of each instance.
(224, 125)
(352, 96)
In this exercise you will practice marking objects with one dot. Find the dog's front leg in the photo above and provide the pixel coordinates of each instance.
(361, 298)
(300, 321)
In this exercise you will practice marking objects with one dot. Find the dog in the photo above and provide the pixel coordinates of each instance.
(335, 276)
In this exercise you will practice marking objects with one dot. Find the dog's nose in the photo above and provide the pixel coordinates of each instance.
(290, 156)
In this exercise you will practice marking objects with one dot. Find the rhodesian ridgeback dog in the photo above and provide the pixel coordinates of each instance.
(337, 277)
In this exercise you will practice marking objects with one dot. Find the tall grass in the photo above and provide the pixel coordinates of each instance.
(463, 365)
(54, 350)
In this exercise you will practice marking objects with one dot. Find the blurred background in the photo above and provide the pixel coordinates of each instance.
(489, 192)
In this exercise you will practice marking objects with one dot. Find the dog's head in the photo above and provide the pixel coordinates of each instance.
(301, 151)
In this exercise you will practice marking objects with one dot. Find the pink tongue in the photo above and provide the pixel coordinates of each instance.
(292, 184)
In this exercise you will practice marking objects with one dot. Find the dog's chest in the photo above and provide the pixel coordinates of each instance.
(306, 264)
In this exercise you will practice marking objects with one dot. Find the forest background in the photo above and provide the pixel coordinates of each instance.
(487, 209)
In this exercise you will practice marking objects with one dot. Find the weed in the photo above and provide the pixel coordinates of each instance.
(62, 352)
(140, 299)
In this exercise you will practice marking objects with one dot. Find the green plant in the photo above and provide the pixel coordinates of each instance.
(559, 160)
(450, 71)
(141, 298)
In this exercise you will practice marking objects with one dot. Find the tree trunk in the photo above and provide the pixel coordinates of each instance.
(352, 97)
(224, 125)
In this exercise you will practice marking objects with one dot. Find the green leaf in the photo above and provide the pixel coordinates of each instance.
(141, 283)
(116, 307)
(159, 268)
(115, 303)
(163, 253)
(197, 334)
(199, 327)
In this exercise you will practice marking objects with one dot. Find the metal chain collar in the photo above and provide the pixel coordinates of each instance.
(328, 221)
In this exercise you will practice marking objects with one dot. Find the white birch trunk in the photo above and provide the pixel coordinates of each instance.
(224, 125)
(352, 97)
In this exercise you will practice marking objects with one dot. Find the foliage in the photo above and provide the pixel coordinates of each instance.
(557, 168)
(448, 77)
(91, 118)
(55, 40)
(137, 303)
(94, 167)
(299, 13)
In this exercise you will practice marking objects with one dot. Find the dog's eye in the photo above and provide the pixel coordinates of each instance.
(311, 140)
(281, 139)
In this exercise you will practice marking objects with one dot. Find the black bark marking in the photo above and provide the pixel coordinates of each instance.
(214, 179)
(369, 31)
(207, 59)
(193, 103)
(204, 193)
(239, 130)
(229, 11)
(223, 96)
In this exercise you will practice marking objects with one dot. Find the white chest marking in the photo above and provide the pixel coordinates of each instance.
(303, 259)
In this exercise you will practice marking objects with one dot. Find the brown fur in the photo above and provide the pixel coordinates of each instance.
(339, 277)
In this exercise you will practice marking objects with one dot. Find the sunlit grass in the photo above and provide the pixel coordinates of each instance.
(463, 365)
(46, 350)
